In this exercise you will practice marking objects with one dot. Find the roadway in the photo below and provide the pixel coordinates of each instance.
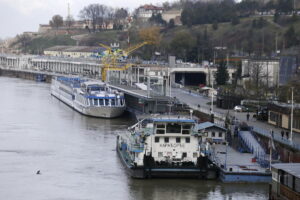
(193, 100)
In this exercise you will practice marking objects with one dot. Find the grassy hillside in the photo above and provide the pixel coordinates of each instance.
(188, 42)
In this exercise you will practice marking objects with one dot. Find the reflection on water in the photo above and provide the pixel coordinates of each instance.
(76, 155)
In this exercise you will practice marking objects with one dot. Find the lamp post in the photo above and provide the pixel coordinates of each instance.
(292, 115)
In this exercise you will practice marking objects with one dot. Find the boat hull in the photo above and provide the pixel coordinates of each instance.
(144, 172)
(101, 112)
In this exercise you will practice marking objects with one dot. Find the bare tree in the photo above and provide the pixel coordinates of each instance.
(120, 15)
(56, 22)
(94, 13)
(69, 22)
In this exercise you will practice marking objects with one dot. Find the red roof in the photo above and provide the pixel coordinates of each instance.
(151, 7)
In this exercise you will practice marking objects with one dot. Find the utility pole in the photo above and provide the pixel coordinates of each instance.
(292, 115)
(212, 98)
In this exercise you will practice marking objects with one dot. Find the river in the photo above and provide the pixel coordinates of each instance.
(76, 155)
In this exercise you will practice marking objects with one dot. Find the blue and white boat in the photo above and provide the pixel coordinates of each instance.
(164, 147)
(92, 98)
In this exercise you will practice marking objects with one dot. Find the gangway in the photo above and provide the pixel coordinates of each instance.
(255, 148)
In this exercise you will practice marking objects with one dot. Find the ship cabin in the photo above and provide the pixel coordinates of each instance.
(173, 141)
(98, 95)
(211, 132)
(285, 181)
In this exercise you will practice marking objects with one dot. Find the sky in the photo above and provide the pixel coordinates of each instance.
(17, 16)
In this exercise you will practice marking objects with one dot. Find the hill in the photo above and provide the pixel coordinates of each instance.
(250, 36)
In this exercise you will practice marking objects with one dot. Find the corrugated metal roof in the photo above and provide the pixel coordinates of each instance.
(76, 48)
(291, 168)
(206, 125)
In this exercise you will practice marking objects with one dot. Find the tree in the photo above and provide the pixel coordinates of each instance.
(120, 15)
(182, 44)
(94, 13)
(215, 25)
(276, 17)
(151, 35)
(171, 23)
(56, 22)
(291, 37)
(157, 19)
(235, 20)
(24, 41)
(69, 22)
(222, 75)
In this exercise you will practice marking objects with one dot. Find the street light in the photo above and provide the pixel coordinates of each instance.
(292, 115)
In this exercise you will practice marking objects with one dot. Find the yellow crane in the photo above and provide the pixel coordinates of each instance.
(111, 58)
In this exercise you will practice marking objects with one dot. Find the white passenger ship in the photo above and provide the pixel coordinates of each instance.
(164, 147)
(92, 98)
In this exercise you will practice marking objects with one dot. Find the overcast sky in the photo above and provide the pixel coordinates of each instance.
(17, 16)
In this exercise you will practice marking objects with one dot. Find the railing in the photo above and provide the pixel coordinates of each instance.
(276, 138)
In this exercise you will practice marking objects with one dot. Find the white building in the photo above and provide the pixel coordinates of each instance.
(211, 132)
(146, 11)
(266, 70)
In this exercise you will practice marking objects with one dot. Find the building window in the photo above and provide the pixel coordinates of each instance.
(296, 123)
(166, 140)
(213, 134)
(156, 139)
(178, 140)
(220, 134)
(187, 140)
(273, 117)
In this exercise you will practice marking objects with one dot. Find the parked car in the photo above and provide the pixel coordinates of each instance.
(240, 108)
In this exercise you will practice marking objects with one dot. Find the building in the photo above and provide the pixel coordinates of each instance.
(289, 65)
(172, 14)
(211, 132)
(280, 116)
(265, 70)
(285, 181)
(73, 51)
(146, 11)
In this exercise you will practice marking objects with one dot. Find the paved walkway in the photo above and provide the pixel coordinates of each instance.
(238, 162)
(193, 100)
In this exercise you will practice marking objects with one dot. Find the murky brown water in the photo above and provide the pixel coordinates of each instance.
(76, 155)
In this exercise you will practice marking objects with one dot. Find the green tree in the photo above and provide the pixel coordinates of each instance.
(291, 37)
(222, 75)
(215, 25)
(171, 23)
(56, 22)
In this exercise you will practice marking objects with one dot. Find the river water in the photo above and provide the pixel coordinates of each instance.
(76, 155)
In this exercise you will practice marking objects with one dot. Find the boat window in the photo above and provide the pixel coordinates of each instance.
(178, 140)
(186, 129)
(166, 139)
(195, 155)
(113, 102)
(213, 134)
(184, 155)
(101, 102)
(187, 140)
(173, 128)
(95, 102)
(106, 102)
(160, 131)
(91, 102)
(156, 139)
(186, 126)
(220, 134)
(160, 125)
